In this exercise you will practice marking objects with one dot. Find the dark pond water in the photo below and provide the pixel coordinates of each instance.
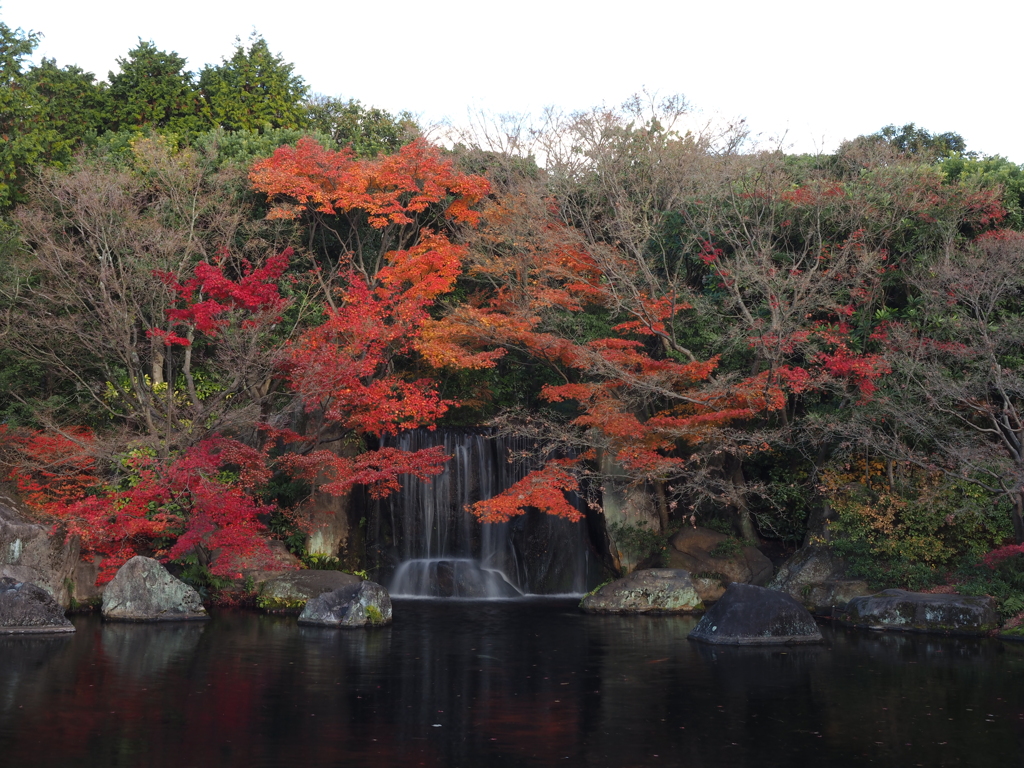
(513, 683)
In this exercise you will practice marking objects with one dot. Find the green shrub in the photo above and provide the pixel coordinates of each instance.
(727, 548)
(640, 543)
(915, 533)
(1004, 582)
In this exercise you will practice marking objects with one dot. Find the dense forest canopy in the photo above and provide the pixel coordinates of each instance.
(220, 293)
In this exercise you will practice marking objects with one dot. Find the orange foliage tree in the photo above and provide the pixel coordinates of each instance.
(399, 212)
(738, 298)
(349, 371)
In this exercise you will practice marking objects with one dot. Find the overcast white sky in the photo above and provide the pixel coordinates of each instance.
(817, 71)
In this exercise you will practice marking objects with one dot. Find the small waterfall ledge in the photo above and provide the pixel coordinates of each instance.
(437, 549)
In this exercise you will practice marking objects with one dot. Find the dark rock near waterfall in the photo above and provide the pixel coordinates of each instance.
(143, 590)
(751, 615)
(897, 609)
(654, 590)
(366, 604)
(28, 609)
(430, 536)
(290, 590)
(700, 551)
(452, 577)
(30, 552)
(817, 578)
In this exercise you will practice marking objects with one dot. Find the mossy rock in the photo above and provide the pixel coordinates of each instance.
(653, 590)
(366, 604)
(289, 591)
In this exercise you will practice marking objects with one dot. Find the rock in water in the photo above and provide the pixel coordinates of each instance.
(26, 608)
(289, 590)
(143, 590)
(749, 615)
(29, 552)
(897, 609)
(366, 604)
(654, 590)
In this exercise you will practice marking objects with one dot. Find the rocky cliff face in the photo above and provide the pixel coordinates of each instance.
(30, 552)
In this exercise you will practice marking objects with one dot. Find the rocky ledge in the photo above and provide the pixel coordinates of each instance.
(899, 610)
(28, 609)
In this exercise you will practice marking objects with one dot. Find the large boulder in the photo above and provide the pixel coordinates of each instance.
(30, 552)
(143, 590)
(816, 577)
(654, 590)
(897, 609)
(702, 551)
(26, 608)
(366, 604)
(751, 615)
(290, 590)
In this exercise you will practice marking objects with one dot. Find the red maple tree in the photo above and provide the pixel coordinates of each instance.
(345, 371)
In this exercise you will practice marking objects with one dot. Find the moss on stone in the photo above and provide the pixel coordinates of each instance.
(280, 604)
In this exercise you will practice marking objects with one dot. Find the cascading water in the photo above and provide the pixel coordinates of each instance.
(441, 550)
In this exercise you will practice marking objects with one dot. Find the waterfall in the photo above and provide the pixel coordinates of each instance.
(438, 549)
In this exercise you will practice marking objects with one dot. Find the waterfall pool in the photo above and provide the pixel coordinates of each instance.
(528, 682)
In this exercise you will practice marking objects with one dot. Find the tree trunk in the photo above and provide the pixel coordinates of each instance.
(739, 499)
(1018, 518)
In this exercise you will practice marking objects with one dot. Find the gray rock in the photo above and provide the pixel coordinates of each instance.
(751, 615)
(897, 609)
(143, 590)
(654, 590)
(691, 550)
(87, 591)
(360, 605)
(26, 608)
(290, 590)
(31, 552)
(816, 577)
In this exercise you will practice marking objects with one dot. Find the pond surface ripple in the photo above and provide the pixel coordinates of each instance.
(504, 683)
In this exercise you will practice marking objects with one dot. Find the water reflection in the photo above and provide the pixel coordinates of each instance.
(500, 684)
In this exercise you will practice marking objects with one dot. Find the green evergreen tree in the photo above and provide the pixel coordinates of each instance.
(369, 131)
(72, 103)
(154, 90)
(253, 89)
(20, 142)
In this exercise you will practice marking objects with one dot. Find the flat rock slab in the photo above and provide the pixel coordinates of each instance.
(290, 590)
(899, 610)
(28, 609)
(749, 615)
(143, 590)
(653, 590)
(366, 604)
